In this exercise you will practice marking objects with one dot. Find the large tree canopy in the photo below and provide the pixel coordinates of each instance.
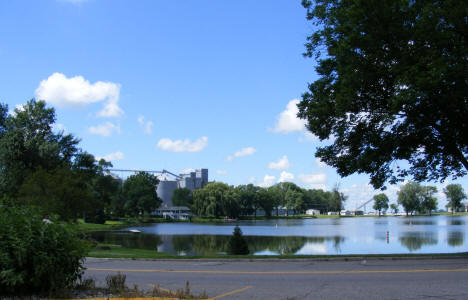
(392, 87)
(28, 143)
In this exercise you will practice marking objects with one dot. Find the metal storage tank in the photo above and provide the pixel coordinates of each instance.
(165, 190)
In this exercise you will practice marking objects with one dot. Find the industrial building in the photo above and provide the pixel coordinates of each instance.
(192, 180)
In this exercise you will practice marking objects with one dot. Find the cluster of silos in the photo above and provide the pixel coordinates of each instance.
(193, 180)
(165, 190)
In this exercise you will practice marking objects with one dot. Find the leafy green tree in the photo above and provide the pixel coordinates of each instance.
(140, 195)
(104, 185)
(454, 194)
(336, 200)
(214, 200)
(265, 200)
(428, 201)
(394, 208)
(391, 86)
(230, 204)
(275, 198)
(58, 191)
(292, 197)
(246, 197)
(237, 243)
(408, 197)
(288, 202)
(316, 199)
(380, 202)
(27, 143)
(182, 197)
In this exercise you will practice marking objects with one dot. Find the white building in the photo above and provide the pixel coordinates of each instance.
(313, 212)
(174, 212)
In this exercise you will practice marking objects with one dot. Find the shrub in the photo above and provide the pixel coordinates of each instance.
(37, 257)
(116, 283)
(237, 243)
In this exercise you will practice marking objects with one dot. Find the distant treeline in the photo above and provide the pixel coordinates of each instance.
(43, 167)
(218, 199)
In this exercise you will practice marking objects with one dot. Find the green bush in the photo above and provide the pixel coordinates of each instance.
(237, 243)
(37, 257)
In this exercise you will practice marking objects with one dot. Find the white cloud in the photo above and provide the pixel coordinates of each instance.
(221, 172)
(308, 137)
(267, 181)
(183, 145)
(61, 91)
(112, 156)
(287, 121)
(320, 163)
(105, 129)
(110, 110)
(145, 125)
(314, 181)
(243, 152)
(18, 107)
(286, 177)
(252, 179)
(281, 164)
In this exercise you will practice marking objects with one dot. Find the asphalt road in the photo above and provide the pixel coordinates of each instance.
(297, 279)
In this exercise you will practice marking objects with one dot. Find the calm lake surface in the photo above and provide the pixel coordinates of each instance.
(367, 235)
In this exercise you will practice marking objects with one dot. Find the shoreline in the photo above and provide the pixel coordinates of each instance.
(115, 225)
(340, 257)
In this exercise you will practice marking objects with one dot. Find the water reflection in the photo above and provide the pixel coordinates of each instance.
(455, 238)
(419, 222)
(128, 240)
(415, 240)
(443, 234)
(213, 244)
(456, 222)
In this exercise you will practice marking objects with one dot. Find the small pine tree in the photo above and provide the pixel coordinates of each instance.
(237, 243)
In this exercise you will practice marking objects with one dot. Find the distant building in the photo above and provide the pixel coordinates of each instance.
(192, 180)
(174, 213)
(313, 212)
(463, 208)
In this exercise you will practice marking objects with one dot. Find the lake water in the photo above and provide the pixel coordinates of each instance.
(367, 235)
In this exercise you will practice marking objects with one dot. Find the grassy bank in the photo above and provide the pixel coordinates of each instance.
(108, 225)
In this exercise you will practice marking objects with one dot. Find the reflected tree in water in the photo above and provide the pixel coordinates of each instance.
(337, 240)
(128, 240)
(455, 238)
(210, 244)
(415, 240)
(182, 244)
(456, 222)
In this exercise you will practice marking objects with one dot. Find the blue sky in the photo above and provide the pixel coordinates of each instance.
(175, 85)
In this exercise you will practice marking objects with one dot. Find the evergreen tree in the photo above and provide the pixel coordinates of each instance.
(237, 243)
